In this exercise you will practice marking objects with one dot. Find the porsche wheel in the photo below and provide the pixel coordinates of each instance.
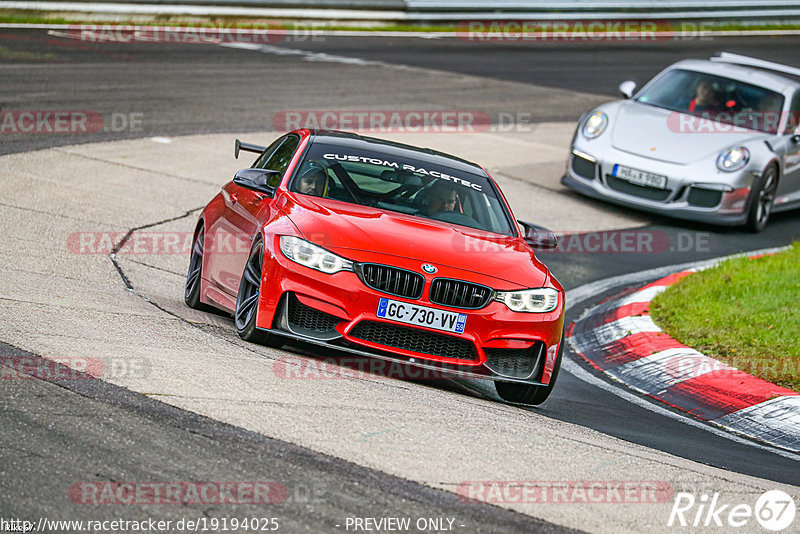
(247, 299)
(527, 393)
(763, 197)
(192, 292)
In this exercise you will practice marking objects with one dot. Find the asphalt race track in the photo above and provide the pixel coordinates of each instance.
(204, 406)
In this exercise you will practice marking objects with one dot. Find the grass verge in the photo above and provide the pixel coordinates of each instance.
(744, 312)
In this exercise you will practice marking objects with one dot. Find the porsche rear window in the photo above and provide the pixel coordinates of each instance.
(401, 184)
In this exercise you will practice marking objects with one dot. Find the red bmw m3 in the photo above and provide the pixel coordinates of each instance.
(383, 250)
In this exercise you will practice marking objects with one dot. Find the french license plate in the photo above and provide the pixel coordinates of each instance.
(403, 312)
(640, 177)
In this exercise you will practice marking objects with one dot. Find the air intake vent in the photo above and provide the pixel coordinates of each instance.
(415, 340)
(310, 318)
(704, 198)
(391, 280)
(459, 294)
(515, 363)
(641, 191)
(583, 167)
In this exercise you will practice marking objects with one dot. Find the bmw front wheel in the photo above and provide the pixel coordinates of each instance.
(247, 299)
(530, 394)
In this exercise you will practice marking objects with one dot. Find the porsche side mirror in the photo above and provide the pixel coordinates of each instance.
(538, 236)
(261, 180)
(627, 88)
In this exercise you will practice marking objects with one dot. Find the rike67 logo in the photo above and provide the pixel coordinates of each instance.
(773, 510)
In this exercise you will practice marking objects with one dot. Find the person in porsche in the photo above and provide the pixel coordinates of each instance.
(348, 251)
(706, 98)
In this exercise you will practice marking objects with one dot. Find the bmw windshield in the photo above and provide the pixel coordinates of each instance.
(402, 184)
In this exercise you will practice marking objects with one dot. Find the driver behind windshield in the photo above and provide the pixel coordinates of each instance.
(441, 197)
(706, 98)
(312, 181)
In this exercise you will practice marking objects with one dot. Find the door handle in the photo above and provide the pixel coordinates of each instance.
(234, 198)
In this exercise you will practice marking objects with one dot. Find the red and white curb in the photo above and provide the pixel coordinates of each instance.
(619, 338)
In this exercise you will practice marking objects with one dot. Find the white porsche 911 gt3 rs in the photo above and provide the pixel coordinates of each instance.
(708, 140)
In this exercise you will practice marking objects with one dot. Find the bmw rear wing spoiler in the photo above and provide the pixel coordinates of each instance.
(249, 147)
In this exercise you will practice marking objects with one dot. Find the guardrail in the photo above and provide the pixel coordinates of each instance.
(446, 11)
(584, 5)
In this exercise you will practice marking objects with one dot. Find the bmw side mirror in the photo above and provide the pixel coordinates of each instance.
(539, 237)
(627, 88)
(261, 180)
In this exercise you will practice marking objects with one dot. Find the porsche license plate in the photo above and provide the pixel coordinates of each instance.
(403, 312)
(636, 176)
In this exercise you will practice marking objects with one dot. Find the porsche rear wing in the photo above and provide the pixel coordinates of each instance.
(736, 59)
(249, 147)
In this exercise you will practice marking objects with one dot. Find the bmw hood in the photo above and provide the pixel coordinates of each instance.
(671, 136)
(344, 228)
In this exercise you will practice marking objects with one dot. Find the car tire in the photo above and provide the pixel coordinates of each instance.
(246, 314)
(530, 394)
(191, 295)
(763, 196)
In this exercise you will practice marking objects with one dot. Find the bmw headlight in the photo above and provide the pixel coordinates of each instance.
(313, 256)
(540, 300)
(733, 159)
(594, 125)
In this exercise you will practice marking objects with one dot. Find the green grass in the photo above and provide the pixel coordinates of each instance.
(743, 312)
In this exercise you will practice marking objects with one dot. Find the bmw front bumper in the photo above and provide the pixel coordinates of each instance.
(339, 311)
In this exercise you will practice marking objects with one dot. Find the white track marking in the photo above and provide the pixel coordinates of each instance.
(651, 374)
(753, 420)
(580, 373)
(580, 294)
(305, 54)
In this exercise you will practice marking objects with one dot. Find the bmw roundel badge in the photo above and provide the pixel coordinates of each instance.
(428, 268)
